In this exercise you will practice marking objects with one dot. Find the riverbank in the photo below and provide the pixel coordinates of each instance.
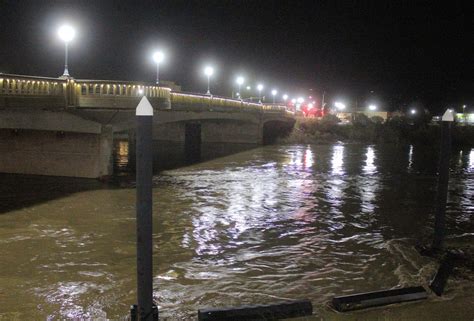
(397, 130)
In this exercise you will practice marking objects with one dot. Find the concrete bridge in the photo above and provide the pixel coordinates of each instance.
(66, 127)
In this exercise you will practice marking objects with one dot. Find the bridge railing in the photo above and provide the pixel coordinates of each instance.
(30, 91)
(118, 94)
(31, 86)
(119, 88)
(193, 100)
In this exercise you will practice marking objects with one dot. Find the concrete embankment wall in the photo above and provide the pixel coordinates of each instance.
(56, 153)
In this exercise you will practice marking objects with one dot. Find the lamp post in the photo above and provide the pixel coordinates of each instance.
(240, 80)
(158, 57)
(66, 33)
(208, 71)
(260, 88)
(274, 92)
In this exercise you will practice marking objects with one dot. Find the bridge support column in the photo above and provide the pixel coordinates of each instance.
(57, 153)
(192, 142)
(105, 155)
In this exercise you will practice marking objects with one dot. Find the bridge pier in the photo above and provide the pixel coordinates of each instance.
(192, 142)
(57, 153)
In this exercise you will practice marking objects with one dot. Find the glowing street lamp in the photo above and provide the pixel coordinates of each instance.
(285, 97)
(274, 92)
(240, 80)
(293, 101)
(208, 71)
(158, 57)
(66, 33)
(413, 111)
(300, 100)
(372, 107)
(260, 88)
(340, 105)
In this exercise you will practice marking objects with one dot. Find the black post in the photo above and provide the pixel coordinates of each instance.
(443, 180)
(144, 117)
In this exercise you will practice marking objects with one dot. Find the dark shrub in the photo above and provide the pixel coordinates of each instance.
(377, 119)
(360, 120)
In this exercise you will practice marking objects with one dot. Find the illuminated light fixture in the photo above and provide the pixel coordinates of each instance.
(293, 101)
(310, 105)
(372, 107)
(300, 100)
(66, 33)
(208, 71)
(413, 111)
(274, 92)
(340, 105)
(158, 57)
(285, 97)
(240, 80)
(260, 88)
(249, 88)
(140, 91)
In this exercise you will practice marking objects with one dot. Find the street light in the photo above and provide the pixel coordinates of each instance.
(260, 88)
(66, 33)
(372, 107)
(208, 71)
(413, 111)
(285, 97)
(300, 100)
(240, 80)
(158, 57)
(274, 92)
(340, 105)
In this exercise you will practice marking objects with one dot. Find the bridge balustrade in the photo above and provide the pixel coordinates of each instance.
(29, 91)
(108, 88)
(190, 100)
(21, 85)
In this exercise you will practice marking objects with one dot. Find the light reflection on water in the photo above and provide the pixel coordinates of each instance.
(273, 223)
(471, 160)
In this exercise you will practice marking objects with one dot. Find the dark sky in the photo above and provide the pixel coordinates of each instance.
(406, 52)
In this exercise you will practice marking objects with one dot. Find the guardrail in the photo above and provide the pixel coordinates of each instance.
(184, 99)
(25, 91)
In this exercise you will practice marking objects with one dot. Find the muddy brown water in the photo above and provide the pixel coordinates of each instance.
(264, 225)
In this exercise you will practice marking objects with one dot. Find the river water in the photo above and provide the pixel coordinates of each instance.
(260, 226)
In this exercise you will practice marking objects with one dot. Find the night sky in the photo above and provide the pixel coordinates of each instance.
(397, 53)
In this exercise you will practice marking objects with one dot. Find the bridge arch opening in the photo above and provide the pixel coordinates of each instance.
(274, 129)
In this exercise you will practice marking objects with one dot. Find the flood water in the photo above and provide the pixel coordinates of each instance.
(265, 225)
